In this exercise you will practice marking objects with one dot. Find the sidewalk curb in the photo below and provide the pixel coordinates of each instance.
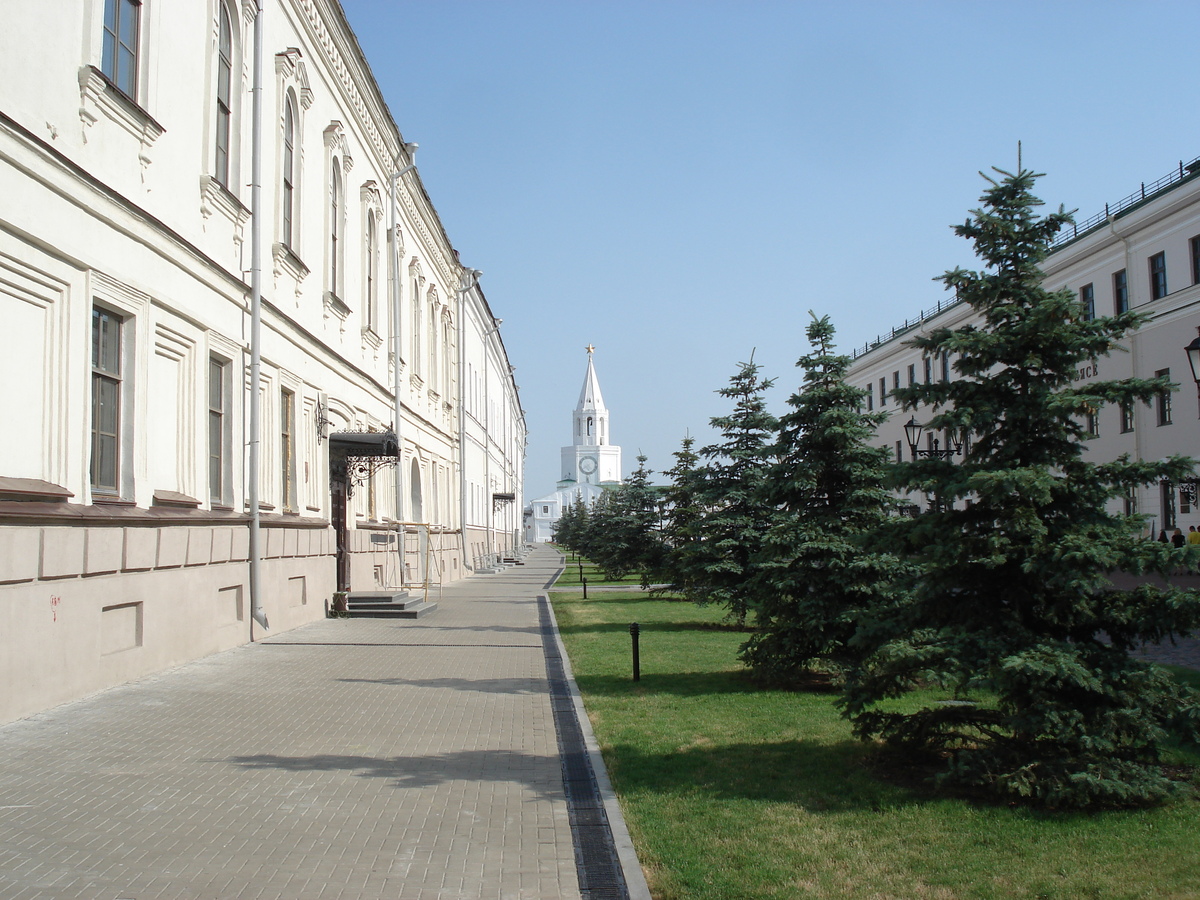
(631, 868)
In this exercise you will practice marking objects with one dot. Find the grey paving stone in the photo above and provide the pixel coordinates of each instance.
(354, 759)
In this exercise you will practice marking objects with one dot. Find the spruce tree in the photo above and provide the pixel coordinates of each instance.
(624, 528)
(729, 491)
(817, 565)
(681, 567)
(1014, 613)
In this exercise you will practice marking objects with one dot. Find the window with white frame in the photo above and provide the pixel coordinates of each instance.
(1120, 292)
(1087, 299)
(287, 174)
(1158, 276)
(416, 324)
(370, 272)
(107, 384)
(223, 127)
(121, 51)
(287, 449)
(218, 431)
(336, 211)
(1162, 399)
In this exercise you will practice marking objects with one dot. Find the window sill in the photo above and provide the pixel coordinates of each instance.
(215, 197)
(99, 96)
(287, 262)
(335, 305)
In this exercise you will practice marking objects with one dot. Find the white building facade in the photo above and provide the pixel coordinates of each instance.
(1141, 253)
(125, 256)
(590, 463)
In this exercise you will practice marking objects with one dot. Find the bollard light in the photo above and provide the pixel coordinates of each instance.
(634, 631)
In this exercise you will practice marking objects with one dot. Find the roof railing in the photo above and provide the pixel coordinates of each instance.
(1185, 172)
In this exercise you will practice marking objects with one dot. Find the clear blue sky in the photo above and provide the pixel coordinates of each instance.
(678, 183)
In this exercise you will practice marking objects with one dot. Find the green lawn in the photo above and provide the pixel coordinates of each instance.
(570, 575)
(733, 792)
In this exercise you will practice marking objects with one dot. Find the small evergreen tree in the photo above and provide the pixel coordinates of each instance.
(1014, 612)
(571, 524)
(682, 568)
(729, 493)
(624, 533)
(817, 566)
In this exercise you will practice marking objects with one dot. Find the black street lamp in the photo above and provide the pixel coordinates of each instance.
(912, 433)
(1193, 353)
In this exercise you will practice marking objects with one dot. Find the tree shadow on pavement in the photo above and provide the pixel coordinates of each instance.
(541, 774)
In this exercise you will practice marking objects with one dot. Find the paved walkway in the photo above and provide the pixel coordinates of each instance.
(352, 759)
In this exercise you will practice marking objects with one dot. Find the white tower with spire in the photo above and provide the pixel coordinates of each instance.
(590, 459)
(590, 465)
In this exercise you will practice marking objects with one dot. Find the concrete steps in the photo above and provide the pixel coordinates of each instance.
(387, 604)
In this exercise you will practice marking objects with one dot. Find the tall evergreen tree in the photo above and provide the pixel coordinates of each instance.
(817, 564)
(1014, 612)
(728, 494)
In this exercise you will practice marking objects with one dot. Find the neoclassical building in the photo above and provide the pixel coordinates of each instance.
(1141, 252)
(390, 437)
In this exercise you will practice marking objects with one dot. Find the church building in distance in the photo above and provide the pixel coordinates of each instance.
(590, 464)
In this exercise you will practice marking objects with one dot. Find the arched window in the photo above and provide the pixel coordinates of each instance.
(434, 368)
(372, 264)
(335, 224)
(288, 173)
(224, 91)
(416, 326)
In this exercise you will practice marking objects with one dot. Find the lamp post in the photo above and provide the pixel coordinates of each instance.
(1193, 355)
(912, 433)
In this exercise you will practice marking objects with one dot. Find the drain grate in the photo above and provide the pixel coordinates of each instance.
(600, 876)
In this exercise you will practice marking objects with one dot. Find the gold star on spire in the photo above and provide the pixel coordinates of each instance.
(590, 349)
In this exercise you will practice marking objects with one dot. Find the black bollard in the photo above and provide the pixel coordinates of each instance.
(581, 570)
(634, 630)
(585, 589)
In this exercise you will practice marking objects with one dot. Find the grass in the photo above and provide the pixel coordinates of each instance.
(570, 575)
(731, 791)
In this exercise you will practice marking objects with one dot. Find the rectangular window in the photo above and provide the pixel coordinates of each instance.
(1167, 503)
(1185, 499)
(1087, 299)
(912, 375)
(287, 449)
(895, 381)
(870, 398)
(899, 453)
(106, 401)
(1158, 276)
(217, 419)
(119, 62)
(928, 370)
(945, 365)
(1120, 292)
(1093, 422)
(1126, 416)
(1131, 502)
(1162, 400)
(882, 393)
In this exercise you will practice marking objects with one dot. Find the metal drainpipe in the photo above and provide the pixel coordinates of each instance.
(398, 406)
(469, 278)
(257, 613)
